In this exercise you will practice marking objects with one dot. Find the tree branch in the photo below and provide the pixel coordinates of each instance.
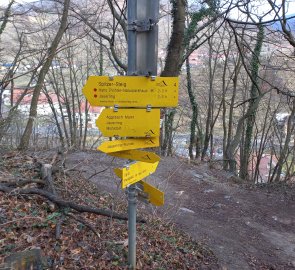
(63, 203)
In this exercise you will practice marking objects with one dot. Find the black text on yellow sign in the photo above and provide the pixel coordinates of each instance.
(128, 144)
(138, 155)
(131, 91)
(129, 123)
(135, 172)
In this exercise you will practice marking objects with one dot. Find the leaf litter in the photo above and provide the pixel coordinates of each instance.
(29, 221)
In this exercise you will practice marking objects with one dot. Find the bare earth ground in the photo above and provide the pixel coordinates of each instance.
(246, 227)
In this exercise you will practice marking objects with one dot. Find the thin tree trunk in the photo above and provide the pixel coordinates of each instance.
(230, 116)
(253, 94)
(173, 64)
(6, 16)
(194, 110)
(285, 151)
(25, 139)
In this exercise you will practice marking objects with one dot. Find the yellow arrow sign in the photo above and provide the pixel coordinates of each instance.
(128, 144)
(155, 196)
(135, 172)
(131, 91)
(129, 123)
(138, 155)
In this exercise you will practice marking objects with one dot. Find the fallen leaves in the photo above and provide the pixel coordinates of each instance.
(86, 240)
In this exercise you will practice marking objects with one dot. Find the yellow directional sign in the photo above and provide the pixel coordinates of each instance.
(138, 155)
(128, 144)
(129, 123)
(155, 196)
(131, 91)
(135, 172)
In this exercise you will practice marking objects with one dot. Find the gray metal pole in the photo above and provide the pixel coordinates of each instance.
(132, 200)
(132, 196)
(131, 36)
(142, 60)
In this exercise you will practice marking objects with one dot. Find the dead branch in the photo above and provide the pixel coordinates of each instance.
(20, 219)
(85, 223)
(21, 182)
(96, 173)
(65, 204)
(58, 226)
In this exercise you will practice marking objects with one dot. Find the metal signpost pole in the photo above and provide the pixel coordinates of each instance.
(142, 41)
(132, 200)
(139, 95)
(131, 190)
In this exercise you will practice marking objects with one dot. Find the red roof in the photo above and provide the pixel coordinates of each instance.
(28, 97)
(90, 108)
(43, 100)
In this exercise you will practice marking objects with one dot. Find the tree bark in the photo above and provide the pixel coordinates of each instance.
(173, 64)
(254, 92)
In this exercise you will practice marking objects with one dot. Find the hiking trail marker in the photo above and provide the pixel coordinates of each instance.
(128, 144)
(133, 112)
(135, 172)
(129, 123)
(132, 91)
(138, 155)
(133, 115)
(154, 195)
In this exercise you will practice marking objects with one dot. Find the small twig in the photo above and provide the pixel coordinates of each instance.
(82, 221)
(16, 220)
(96, 173)
(73, 168)
(58, 226)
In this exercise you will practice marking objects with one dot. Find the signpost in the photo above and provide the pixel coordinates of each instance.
(128, 144)
(129, 123)
(131, 91)
(154, 195)
(138, 155)
(135, 172)
(133, 112)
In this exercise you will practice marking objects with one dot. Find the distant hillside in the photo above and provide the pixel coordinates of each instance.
(290, 22)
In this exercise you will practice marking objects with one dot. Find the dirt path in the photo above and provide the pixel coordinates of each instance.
(246, 228)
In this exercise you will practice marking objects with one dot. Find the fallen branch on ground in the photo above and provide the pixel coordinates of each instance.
(22, 182)
(63, 203)
(85, 223)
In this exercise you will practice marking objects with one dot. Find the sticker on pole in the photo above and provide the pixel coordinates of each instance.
(135, 172)
(131, 91)
(129, 123)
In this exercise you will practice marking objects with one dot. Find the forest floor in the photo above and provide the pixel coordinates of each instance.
(245, 226)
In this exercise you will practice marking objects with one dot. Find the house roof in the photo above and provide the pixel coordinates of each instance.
(28, 97)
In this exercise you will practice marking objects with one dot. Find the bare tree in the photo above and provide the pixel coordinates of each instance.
(50, 55)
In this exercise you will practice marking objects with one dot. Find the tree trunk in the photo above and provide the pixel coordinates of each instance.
(230, 116)
(25, 139)
(6, 16)
(253, 94)
(285, 151)
(194, 106)
(173, 64)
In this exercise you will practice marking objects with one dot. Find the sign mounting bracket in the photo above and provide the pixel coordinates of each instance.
(144, 25)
